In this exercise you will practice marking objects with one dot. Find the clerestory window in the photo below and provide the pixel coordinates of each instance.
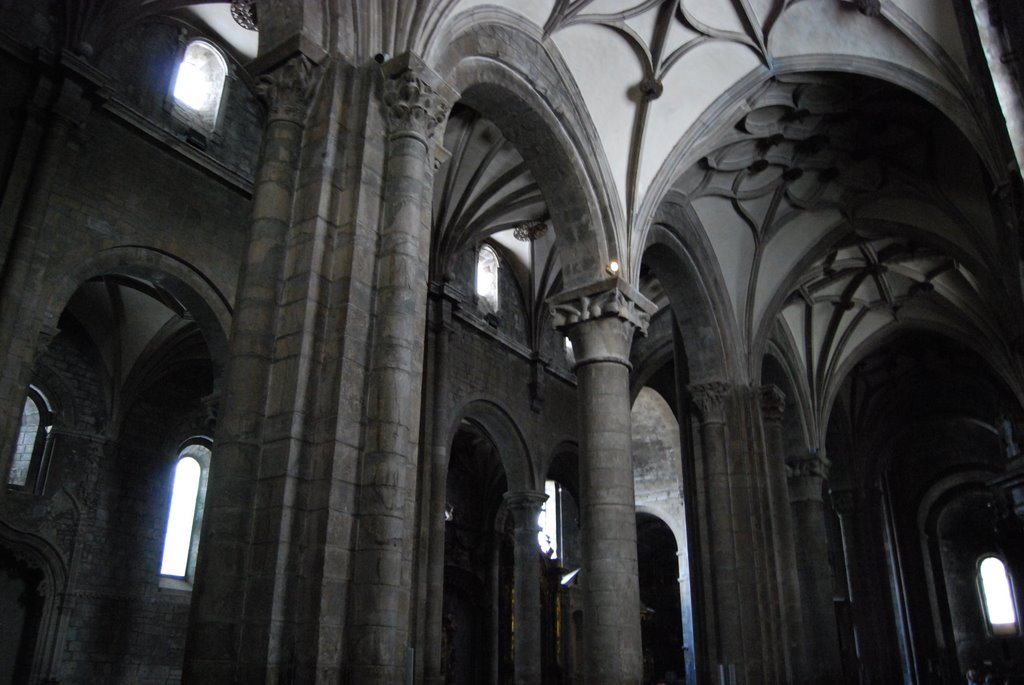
(487, 278)
(184, 518)
(997, 597)
(199, 85)
(30, 452)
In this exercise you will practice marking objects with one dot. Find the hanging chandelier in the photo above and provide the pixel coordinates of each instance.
(244, 14)
(530, 231)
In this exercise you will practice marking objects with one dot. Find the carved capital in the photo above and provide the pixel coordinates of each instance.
(709, 398)
(606, 298)
(773, 403)
(288, 89)
(601, 319)
(416, 100)
(812, 466)
(525, 508)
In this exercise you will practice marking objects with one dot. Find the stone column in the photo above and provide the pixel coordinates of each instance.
(525, 509)
(416, 104)
(721, 601)
(773, 403)
(600, 322)
(226, 613)
(806, 480)
(432, 495)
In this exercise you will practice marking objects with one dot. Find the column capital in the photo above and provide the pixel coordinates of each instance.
(808, 466)
(525, 506)
(806, 474)
(709, 399)
(773, 403)
(416, 99)
(288, 89)
(600, 319)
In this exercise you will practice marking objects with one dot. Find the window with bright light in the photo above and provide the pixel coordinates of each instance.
(199, 84)
(487, 277)
(550, 535)
(997, 596)
(33, 432)
(570, 355)
(183, 518)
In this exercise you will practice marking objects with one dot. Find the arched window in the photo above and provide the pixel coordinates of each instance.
(185, 515)
(550, 536)
(997, 597)
(487, 278)
(31, 448)
(570, 355)
(199, 85)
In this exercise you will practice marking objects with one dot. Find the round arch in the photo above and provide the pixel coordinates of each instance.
(542, 115)
(883, 337)
(507, 437)
(199, 295)
(696, 294)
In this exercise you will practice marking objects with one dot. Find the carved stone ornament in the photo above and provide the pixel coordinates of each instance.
(709, 399)
(773, 403)
(288, 89)
(618, 300)
(812, 466)
(413, 105)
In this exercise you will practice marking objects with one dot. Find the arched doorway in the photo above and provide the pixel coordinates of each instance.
(478, 564)
(666, 607)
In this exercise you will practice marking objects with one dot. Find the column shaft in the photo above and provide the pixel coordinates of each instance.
(600, 322)
(381, 600)
(525, 508)
(806, 481)
(772, 408)
(229, 621)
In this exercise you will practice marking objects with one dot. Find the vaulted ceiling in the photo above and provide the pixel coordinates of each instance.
(841, 160)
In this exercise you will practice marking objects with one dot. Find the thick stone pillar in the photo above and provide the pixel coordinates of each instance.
(525, 509)
(600, 322)
(416, 103)
(806, 481)
(773, 403)
(230, 631)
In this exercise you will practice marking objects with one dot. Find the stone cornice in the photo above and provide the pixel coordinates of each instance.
(611, 297)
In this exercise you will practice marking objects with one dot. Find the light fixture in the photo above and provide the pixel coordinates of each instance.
(569, 577)
(613, 267)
